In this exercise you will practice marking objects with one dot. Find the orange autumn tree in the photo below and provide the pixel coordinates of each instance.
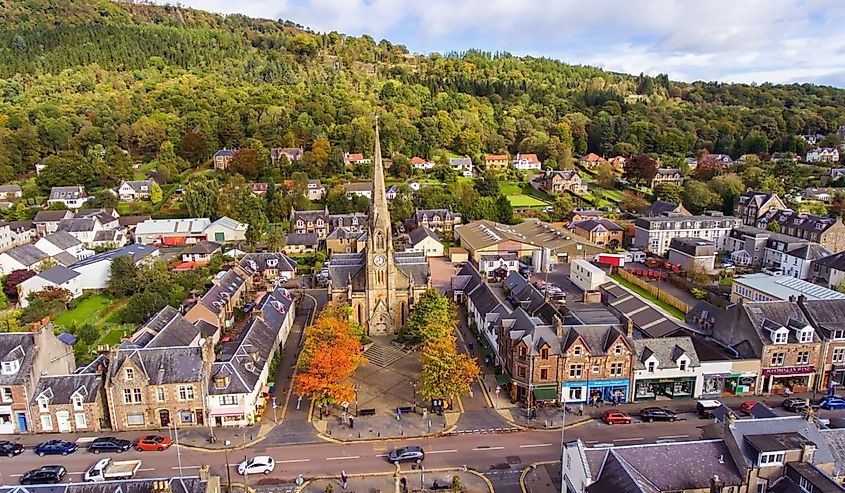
(330, 355)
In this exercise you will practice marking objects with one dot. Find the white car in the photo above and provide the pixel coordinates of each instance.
(260, 464)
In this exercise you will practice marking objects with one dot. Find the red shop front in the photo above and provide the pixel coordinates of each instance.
(785, 380)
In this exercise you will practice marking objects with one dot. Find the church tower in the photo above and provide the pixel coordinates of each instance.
(381, 268)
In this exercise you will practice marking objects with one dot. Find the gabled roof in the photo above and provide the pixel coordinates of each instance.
(421, 233)
(661, 207)
(228, 223)
(169, 328)
(256, 263)
(62, 240)
(61, 389)
(599, 224)
(64, 193)
(344, 233)
(218, 296)
(27, 255)
(79, 225)
(162, 365)
(138, 186)
(59, 274)
(414, 265)
(305, 239)
(810, 251)
(204, 247)
(667, 350)
(17, 346)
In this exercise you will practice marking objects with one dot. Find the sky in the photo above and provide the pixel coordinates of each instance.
(779, 41)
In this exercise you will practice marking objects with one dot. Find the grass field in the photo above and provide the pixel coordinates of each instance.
(111, 337)
(521, 200)
(84, 312)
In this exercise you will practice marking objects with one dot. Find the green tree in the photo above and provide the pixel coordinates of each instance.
(697, 197)
(773, 226)
(669, 192)
(433, 317)
(605, 175)
(200, 197)
(155, 193)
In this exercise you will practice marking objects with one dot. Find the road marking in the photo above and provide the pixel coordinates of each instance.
(191, 467)
(342, 458)
(532, 445)
(627, 439)
(487, 448)
(674, 436)
(15, 475)
(150, 469)
(591, 441)
(381, 455)
(450, 451)
(85, 439)
(291, 460)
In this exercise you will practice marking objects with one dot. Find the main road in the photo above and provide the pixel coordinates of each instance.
(486, 453)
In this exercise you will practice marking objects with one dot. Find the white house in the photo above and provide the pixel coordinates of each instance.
(72, 197)
(315, 190)
(462, 165)
(420, 163)
(360, 188)
(62, 241)
(60, 277)
(392, 192)
(133, 190)
(10, 192)
(237, 389)
(426, 241)
(26, 257)
(665, 368)
(268, 265)
(798, 262)
(226, 230)
(498, 265)
(172, 231)
(526, 162)
(414, 185)
(586, 276)
(823, 155)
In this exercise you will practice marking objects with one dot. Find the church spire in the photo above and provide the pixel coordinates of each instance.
(379, 211)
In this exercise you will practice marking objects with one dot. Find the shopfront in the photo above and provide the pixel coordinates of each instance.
(664, 388)
(608, 391)
(788, 380)
(574, 392)
(714, 384)
(741, 384)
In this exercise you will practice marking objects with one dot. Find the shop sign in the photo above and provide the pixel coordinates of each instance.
(789, 370)
(609, 383)
(717, 375)
(574, 384)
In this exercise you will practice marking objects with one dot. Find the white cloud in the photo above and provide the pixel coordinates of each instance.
(730, 40)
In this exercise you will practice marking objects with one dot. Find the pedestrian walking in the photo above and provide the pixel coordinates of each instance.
(581, 409)
(404, 483)
(344, 480)
(351, 423)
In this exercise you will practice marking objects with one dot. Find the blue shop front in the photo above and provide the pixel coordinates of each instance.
(606, 391)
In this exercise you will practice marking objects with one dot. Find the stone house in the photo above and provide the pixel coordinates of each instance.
(223, 158)
(267, 265)
(25, 357)
(72, 403)
(668, 175)
(751, 205)
(217, 306)
(667, 367)
(439, 220)
(828, 318)
(559, 182)
(496, 162)
(596, 364)
(303, 222)
(345, 240)
(591, 160)
(829, 232)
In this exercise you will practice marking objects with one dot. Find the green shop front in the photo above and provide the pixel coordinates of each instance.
(664, 388)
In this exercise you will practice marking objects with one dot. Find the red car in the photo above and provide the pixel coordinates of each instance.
(615, 416)
(746, 406)
(152, 443)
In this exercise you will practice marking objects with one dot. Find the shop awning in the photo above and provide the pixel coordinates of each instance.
(547, 394)
(503, 379)
(227, 411)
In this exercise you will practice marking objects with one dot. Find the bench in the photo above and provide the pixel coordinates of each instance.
(366, 412)
(406, 409)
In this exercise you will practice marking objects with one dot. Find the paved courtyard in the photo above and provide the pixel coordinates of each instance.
(441, 273)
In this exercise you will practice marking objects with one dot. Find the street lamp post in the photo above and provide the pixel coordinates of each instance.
(178, 451)
(228, 468)
(414, 385)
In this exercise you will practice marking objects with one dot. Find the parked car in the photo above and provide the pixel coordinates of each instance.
(745, 407)
(10, 449)
(263, 464)
(152, 442)
(615, 416)
(651, 414)
(795, 404)
(832, 402)
(406, 454)
(109, 444)
(44, 475)
(55, 447)
(283, 280)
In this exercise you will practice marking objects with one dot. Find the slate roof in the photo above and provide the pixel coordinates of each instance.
(62, 240)
(506, 256)
(353, 220)
(64, 258)
(78, 225)
(445, 215)
(206, 329)
(107, 235)
(256, 263)
(162, 365)
(667, 350)
(421, 233)
(138, 185)
(204, 247)
(61, 388)
(129, 221)
(810, 251)
(730, 330)
(169, 328)
(225, 153)
(799, 220)
(534, 332)
(348, 268)
(819, 481)
(305, 239)
(28, 255)
(669, 171)
(648, 320)
(72, 192)
(599, 224)
(414, 265)
(835, 440)
(835, 261)
(137, 250)
(659, 467)
(10, 188)
(216, 298)
(597, 338)
(17, 346)
(343, 233)
(59, 274)
(52, 216)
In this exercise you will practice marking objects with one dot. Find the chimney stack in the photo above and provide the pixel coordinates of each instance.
(808, 451)
(716, 484)
(629, 327)
(559, 328)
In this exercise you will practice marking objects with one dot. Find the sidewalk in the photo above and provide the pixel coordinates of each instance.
(470, 482)
(542, 478)
(385, 426)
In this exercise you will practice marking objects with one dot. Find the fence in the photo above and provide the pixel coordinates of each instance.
(654, 290)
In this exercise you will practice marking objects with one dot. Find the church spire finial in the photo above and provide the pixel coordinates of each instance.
(379, 205)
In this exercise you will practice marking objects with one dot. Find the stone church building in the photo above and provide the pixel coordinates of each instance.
(380, 284)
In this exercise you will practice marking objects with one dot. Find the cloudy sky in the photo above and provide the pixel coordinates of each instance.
(726, 40)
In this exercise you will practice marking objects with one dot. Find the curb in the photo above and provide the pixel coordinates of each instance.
(398, 471)
(529, 468)
(447, 432)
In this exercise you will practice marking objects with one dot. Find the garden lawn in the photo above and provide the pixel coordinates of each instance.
(84, 312)
(522, 200)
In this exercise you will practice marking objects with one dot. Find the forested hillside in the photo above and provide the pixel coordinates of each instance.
(173, 85)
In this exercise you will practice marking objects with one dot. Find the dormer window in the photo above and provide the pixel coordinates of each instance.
(320, 223)
(806, 335)
(77, 403)
(10, 367)
(544, 353)
(779, 337)
(221, 382)
(837, 335)
(682, 365)
(771, 459)
(43, 405)
(651, 366)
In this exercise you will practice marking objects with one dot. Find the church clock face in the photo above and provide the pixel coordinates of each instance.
(378, 260)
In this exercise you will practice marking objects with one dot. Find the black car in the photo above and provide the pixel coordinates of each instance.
(109, 444)
(44, 475)
(657, 414)
(795, 404)
(10, 449)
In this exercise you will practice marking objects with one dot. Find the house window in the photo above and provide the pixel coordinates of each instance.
(81, 420)
(596, 368)
(46, 422)
(544, 353)
(521, 352)
(806, 336)
(682, 365)
(77, 403)
(803, 358)
(617, 350)
(159, 394)
(186, 417)
(131, 396)
(186, 393)
(616, 369)
(576, 351)
(804, 484)
(520, 372)
(575, 371)
(10, 367)
(228, 400)
(43, 405)
(544, 374)
(771, 459)
(837, 335)
(651, 366)
(6, 394)
(135, 419)
(839, 355)
(129, 373)
(780, 337)
(777, 359)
